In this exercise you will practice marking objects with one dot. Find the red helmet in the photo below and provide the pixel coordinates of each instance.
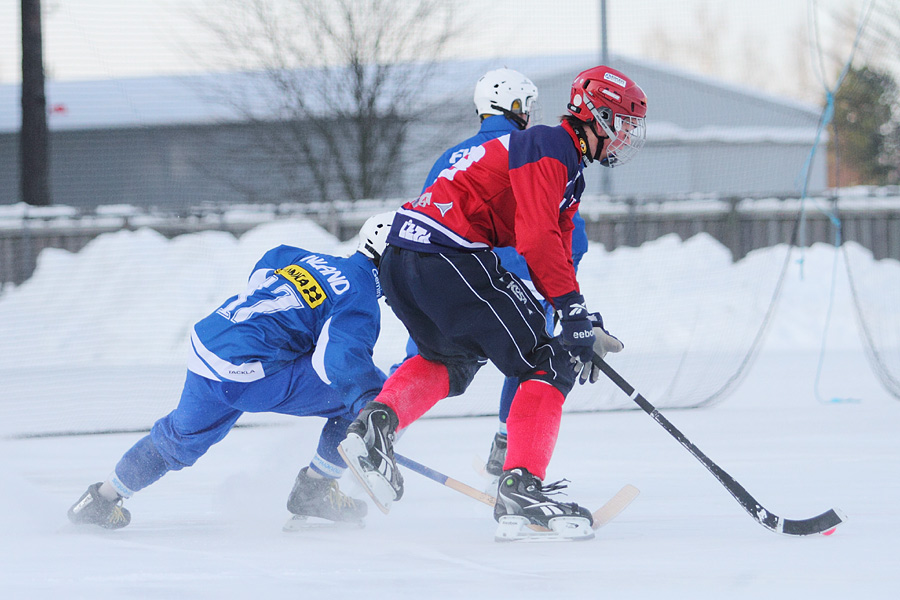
(617, 104)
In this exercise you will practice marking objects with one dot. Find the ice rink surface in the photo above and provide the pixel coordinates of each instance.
(214, 530)
(802, 432)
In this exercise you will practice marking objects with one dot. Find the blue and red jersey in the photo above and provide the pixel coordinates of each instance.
(519, 190)
(491, 128)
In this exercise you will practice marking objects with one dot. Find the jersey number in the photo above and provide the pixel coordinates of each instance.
(245, 306)
(471, 157)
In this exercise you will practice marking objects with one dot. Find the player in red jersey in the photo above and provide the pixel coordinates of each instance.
(462, 308)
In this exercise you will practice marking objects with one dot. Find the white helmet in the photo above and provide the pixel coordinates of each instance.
(506, 92)
(373, 236)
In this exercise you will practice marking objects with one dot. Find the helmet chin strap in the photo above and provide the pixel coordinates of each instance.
(585, 144)
(376, 256)
(602, 116)
(518, 120)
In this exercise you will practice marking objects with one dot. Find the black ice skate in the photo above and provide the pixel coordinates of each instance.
(522, 500)
(497, 457)
(321, 499)
(94, 509)
(369, 452)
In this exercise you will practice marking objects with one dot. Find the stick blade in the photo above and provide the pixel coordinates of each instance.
(824, 524)
(615, 505)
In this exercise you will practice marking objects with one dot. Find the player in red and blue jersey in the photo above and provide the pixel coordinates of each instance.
(505, 101)
(461, 308)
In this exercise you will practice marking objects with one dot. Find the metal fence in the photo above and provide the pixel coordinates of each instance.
(742, 225)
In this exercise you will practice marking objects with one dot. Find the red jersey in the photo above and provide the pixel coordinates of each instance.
(518, 190)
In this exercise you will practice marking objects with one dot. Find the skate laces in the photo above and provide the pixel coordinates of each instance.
(117, 514)
(555, 488)
(337, 498)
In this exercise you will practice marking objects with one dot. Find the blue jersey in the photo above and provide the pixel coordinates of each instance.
(297, 303)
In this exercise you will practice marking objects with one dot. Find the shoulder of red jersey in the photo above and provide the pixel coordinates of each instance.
(542, 141)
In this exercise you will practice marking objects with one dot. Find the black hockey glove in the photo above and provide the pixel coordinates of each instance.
(577, 329)
(604, 342)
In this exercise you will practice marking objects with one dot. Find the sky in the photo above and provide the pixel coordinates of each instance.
(91, 39)
(96, 340)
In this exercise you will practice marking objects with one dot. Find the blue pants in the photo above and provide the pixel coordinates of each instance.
(208, 410)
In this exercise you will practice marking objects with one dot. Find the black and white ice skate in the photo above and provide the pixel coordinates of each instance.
(522, 500)
(368, 451)
(494, 464)
(321, 503)
(93, 509)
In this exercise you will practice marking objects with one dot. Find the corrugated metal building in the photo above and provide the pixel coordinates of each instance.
(166, 142)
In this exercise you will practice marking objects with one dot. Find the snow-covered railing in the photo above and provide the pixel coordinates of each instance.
(869, 216)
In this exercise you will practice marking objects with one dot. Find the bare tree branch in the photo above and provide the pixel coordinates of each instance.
(343, 77)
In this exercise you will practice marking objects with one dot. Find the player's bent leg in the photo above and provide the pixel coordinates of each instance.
(175, 441)
(507, 393)
(141, 466)
(533, 426)
(202, 418)
(497, 454)
(522, 498)
(327, 461)
(416, 386)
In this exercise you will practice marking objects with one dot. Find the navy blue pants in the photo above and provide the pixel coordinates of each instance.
(463, 309)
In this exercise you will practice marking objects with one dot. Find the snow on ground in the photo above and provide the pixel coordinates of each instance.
(801, 434)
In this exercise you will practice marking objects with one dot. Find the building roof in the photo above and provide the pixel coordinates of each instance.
(682, 106)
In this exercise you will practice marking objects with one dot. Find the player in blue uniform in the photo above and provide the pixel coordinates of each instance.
(298, 341)
(504, 100)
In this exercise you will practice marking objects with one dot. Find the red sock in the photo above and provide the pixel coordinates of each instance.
(415, 387)
(533, 426)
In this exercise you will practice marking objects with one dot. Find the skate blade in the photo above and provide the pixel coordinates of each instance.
(516, 528)
(378, 488)
(301, 522)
